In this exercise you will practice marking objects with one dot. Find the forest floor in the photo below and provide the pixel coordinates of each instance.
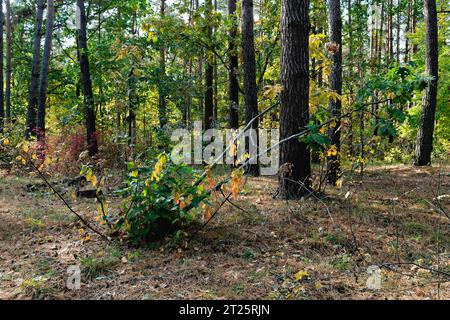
(311, 249)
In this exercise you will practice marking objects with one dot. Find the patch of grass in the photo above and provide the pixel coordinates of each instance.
(96, 266)
(248, 254)
(342, 263)
(413, 228)
(134, 255)
(60, 217)
(37, 288)
(35, 213)
(40, 214)
(338, 239)
(35, 224)
(440, 237)
(44, 266)
(238, 289)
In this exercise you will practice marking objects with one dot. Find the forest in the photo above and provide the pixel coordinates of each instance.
(224, 150)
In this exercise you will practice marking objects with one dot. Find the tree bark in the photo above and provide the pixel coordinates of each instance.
(295, 170)
(350, 74)
(408, 29)
(43, 80)
(162, 106)
(216, 79)
(233, 69)
(88, 95)
(397, 51)
(335, 106)
(34, 83)
(209, 75)
(414, 23)
(2, 97)
(424, 144)
(250, 87)
(390, 47)
(8, 62)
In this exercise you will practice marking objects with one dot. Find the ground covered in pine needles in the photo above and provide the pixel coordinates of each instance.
(318, 248)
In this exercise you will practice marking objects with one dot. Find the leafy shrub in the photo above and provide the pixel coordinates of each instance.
(161, 199)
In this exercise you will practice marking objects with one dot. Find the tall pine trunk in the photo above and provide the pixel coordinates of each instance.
(34, 83)
(162, 107)
(43, 80)
(88, 95)
(250, 87)
(209, 74)
(408, 29)
(8, 62)
(424, 144)
(233, 68)
(295, 170)
(335, 106)
(2, 97)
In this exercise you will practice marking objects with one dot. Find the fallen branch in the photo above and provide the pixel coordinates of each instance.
(86, 224)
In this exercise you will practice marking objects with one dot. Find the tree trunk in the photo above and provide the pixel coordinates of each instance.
(162, 106)
(381, 33)
(43, 80)
(33, 89)
(131, 108)
(335, 106)
(233, 69)
(408, 29)
(2, 97)
(216, 80)
(132, 99)
(414, 23)
(8, 62)
(350, 74)
(424, 144)
(88, 95)
(250, 87)
(397, 51)
(209, 75)
(295, 170)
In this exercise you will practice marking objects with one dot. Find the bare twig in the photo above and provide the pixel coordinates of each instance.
(67, 204)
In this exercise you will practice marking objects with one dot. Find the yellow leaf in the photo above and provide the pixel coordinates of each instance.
(6, 142)
(318, 285)
(233, 150)
(300, 275)
(332, 152)
(89, 175)
(94, 180)
(48, 161)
